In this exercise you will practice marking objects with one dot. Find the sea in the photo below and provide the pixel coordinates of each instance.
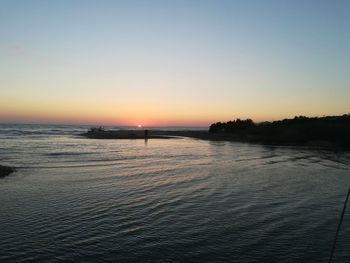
(74, 199)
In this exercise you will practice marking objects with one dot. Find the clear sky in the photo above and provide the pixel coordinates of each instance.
(172, 62)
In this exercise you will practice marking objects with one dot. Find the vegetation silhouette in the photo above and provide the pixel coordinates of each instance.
(328, 130)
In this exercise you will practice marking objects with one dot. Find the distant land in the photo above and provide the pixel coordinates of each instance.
(327, 131)
(323, 131)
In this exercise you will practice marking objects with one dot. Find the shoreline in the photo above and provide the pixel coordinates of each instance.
(206, 135)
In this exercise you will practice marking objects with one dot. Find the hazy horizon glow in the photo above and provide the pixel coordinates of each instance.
(172, 63)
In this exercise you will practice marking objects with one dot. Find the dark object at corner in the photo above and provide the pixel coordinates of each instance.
(338, 228)
(5, 171)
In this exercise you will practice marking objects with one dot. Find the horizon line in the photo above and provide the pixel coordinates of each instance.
(161, 125)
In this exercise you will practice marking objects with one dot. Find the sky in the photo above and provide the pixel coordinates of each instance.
(178, 63)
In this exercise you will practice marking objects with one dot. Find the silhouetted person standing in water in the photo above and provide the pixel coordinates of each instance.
(146, 134)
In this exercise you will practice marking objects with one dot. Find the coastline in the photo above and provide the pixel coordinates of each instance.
(206, 135)
(126, 134)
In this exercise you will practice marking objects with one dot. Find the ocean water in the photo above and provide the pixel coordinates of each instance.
(177, 200)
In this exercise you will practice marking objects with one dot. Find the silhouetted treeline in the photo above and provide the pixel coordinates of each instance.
(232, 126)
(299, 130)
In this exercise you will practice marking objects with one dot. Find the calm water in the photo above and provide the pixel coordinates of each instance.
(177, 200)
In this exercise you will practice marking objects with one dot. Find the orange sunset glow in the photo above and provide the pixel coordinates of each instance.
(169, 72)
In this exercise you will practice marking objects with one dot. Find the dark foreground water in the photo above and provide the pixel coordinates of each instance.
(176, 200)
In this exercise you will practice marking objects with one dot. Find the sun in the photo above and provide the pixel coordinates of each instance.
(139, 126)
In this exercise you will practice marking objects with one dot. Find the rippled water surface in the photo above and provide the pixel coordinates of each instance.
(174, 200)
